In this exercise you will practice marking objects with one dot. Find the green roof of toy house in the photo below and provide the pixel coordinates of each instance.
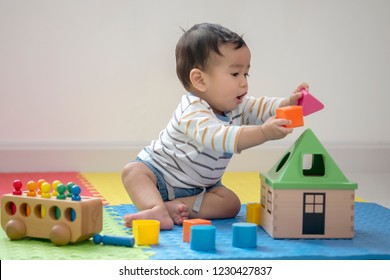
(320, 171)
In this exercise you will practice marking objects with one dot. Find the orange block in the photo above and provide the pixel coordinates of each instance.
(187, 224)
(293, 113)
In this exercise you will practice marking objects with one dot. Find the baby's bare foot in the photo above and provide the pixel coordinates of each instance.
(158, 212)
(178, 211)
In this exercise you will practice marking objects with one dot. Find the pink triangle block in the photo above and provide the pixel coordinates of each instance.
(309, 103)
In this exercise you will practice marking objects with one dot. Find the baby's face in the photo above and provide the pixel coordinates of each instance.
(226, 78)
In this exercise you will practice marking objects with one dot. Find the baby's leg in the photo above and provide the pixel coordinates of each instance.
(218, 203)
(141, 185)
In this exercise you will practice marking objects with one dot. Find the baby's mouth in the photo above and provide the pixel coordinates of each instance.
(241, 97)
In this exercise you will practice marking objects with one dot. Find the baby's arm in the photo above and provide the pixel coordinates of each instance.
(253, 135)
(272, 129)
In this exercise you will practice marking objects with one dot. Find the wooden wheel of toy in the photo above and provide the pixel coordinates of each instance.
(60, 234)
(15, 229)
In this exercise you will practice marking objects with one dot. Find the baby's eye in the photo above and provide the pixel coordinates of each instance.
(235, 74)
(246, 75)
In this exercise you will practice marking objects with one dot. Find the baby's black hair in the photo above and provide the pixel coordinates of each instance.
(194, 46)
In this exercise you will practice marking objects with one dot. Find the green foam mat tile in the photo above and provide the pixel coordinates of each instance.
(42, 249)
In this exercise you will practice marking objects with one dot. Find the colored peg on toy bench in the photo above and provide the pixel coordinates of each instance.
(127, 241)
(17, 187)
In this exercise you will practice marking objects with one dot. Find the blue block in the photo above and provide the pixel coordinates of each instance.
(244, 235)
(202, 238)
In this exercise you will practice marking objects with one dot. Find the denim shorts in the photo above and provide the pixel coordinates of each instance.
(179, 192)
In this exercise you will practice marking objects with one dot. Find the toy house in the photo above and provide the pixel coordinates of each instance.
(306, 195)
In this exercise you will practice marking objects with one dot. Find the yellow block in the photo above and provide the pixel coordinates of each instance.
(253, 213)
(146, 232)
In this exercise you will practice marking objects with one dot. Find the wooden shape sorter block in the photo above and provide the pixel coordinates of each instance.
(244, 235)
(61, 221)
(146, 232)
(253, 213)
(187, 224)
(293, 113)
(203, 238)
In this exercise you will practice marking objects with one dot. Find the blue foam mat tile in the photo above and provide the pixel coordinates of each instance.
(371, 241)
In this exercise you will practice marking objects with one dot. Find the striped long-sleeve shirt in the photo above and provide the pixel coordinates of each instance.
(195, 148)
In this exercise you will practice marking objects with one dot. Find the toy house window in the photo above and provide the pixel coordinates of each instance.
(314, 203)
(313, 165)
(263, 193)
(269, 202)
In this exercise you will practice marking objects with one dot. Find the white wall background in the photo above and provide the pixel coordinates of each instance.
(85, 84)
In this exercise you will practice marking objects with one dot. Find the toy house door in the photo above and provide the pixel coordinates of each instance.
(313, 213)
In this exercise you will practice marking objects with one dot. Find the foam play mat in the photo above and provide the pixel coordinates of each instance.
(371, 240)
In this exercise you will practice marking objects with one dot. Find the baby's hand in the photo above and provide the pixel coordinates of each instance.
(297, 94)
(275, 128)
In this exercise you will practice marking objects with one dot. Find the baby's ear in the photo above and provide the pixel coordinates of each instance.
(197, 79)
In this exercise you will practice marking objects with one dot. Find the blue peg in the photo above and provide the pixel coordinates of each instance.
(127, 241)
